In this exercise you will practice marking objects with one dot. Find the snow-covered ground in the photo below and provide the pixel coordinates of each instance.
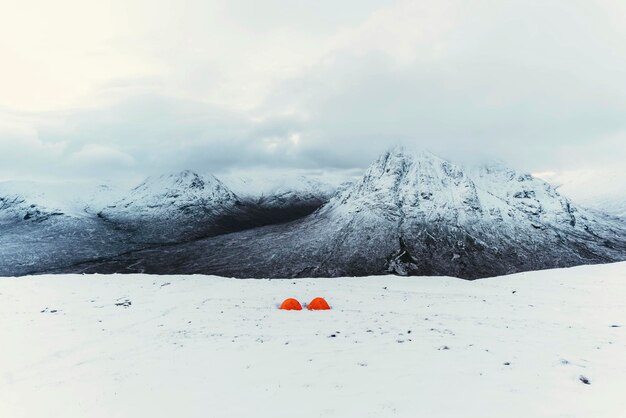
(199, 346)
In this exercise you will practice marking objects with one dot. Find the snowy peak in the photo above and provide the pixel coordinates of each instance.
(409, 214)
(426, 187)
(419, 214)
(182, 182)
(173, 195)
(413, 185)
(533, 197)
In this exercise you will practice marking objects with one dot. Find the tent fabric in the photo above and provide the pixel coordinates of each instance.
(291, 304)
(318, 304)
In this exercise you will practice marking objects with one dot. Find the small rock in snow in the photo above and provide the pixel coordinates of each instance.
(125, 303)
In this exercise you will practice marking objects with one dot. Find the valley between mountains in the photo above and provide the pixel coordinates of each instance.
(409, 214)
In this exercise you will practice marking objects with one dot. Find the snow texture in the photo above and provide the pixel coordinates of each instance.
(537, 344)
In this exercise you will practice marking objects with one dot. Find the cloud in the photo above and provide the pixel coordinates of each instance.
(518, 81)
(145, 134)
(223, 85)
(100, 157)
(23, 153)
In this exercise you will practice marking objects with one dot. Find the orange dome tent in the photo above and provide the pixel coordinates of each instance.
(318, 304)
(291, 305)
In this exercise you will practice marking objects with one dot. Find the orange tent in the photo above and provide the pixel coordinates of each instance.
(291, 305)
(318, 304)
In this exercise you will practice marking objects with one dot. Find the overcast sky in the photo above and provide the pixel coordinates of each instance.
(128, 87)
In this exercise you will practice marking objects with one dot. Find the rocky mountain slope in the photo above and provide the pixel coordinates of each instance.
(172, 206)
(410, 214)
(47, 226)
(172, 196)
(187, 205)
(19, 201)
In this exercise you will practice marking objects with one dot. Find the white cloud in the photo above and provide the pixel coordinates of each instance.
(142, 87)
(95, 155)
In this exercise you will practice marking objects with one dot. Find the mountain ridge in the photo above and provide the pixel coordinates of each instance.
(43, 230)
(410, 214)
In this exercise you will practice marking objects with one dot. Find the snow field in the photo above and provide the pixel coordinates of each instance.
(205, 346)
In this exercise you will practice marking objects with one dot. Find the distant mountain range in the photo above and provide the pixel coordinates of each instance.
(409, 214)
(44, 226)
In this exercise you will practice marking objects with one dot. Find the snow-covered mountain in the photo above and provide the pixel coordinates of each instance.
(279, 191)
(47, 225)
(39, 201)
(187, 205)
(411, 214)
(171, 196)
(20, 201)
(172, 206)
(420, 214)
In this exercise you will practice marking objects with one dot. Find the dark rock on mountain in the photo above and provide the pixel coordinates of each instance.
(40, 233)
(409, 215)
